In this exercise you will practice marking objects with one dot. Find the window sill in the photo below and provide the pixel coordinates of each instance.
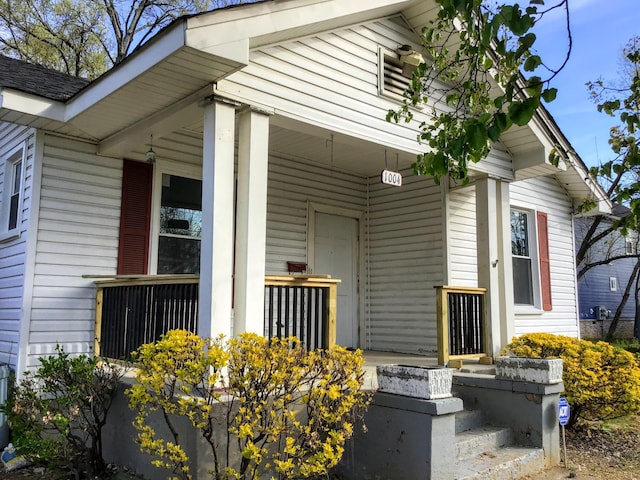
(527, 310)
(10, 235)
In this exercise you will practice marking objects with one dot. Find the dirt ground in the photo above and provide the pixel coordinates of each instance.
(605, 452)
(610, 452)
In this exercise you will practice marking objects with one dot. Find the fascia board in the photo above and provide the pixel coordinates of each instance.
(31, 104)
(277, 16)
(164, 45)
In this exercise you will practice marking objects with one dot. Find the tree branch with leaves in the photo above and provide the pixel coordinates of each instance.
(477, 82)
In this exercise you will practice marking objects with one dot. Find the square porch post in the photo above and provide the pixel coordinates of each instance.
(494, 259)
(216, 254)
(251, 221)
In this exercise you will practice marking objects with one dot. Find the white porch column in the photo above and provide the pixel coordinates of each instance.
(216, 255)
(494, 258)
(251, 221)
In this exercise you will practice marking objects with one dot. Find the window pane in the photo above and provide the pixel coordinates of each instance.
(178, 255)
(519, 234)
(17, 177)
(522, 285)
(13, 211)
(181, 206)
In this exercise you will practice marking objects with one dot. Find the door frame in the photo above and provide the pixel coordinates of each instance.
(358, 215)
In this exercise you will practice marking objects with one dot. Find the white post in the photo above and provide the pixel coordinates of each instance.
(251, 221)
(494, 258)
(216, 255)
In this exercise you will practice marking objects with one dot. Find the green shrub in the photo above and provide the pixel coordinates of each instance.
(601, 381)
(283, 412)
(56, 413)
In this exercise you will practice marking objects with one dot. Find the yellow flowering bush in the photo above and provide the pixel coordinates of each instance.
(285, 412)
(601, 381)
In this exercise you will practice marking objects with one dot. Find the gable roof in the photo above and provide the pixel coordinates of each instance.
(38, 80)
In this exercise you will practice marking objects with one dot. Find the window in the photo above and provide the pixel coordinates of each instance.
(630, 246)
(522, 261)
(530, 254)
(180, 225)
(10, 209)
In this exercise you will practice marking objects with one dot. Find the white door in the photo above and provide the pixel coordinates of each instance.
(336, 253)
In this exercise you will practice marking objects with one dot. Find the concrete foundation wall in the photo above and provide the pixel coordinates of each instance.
(406, 439)
(529, 409)
(120, 447)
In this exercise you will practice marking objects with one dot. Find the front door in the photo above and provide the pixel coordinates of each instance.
(336, 253)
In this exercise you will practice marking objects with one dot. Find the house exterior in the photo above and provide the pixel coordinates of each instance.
(602, 287)
(267, 126)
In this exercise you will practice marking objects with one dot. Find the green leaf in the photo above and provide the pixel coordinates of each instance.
(527, 40)
(501, 120)
(494, 132)
(521, 112)
(549, 95)
(534, 86)
(476, 134)
(532, 62)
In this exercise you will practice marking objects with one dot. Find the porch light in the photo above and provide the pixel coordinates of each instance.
(151, 155)
(410, 59)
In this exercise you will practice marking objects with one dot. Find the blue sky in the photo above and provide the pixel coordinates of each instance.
(600, 28)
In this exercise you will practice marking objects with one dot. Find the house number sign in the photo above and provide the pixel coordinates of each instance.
(391, 178)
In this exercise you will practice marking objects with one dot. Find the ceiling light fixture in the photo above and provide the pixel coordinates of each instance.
(151, 155)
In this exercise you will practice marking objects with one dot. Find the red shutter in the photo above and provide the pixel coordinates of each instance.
(545, 266)
(135, 213)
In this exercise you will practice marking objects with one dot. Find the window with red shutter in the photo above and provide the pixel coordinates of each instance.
(135, 214)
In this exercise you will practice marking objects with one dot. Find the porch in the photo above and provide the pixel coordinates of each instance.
(135, 309)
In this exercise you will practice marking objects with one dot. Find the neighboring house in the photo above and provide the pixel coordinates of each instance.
(267, 129)
(602, 287)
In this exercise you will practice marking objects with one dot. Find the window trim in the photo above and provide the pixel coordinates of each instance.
(17, 154)
(534, 255)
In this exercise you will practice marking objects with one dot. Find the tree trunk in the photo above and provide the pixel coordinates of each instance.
(623, 302)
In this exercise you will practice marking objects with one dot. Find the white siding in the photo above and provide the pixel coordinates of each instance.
(546, 195)
(463, 238)
(331, 80)
(13, 252)
(291, 185)
(405, 263)
(77, 235)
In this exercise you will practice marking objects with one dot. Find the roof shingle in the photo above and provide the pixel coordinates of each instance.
(38, 80)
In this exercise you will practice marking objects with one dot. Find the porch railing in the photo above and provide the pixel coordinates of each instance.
(303, 306)
(462, 323)
(133, 310)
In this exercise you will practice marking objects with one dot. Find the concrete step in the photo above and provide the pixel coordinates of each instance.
(506, 463)
(472, 443)
(468, 420)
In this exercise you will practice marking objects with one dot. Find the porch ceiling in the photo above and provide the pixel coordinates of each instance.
(296, 141)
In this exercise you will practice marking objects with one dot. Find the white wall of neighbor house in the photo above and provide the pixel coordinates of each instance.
(13, 251)
(547, 195)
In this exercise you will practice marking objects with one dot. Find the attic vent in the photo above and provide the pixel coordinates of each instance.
(391, 79)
